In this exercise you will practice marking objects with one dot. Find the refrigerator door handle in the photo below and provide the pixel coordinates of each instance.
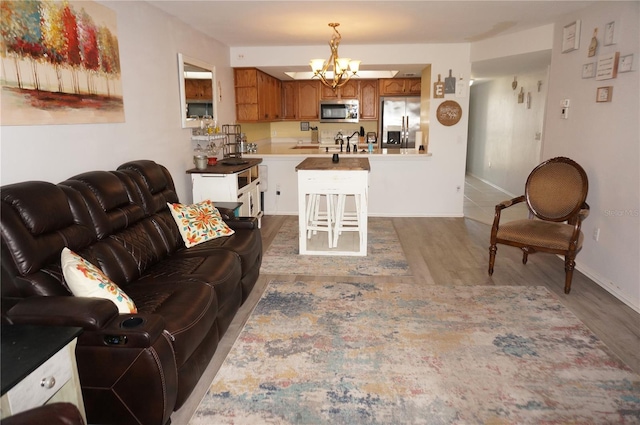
(406, 134)
(404, 129)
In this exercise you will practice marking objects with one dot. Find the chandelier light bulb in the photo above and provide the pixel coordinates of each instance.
(317, 64)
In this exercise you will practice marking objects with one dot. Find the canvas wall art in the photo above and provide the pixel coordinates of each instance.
(60, 63)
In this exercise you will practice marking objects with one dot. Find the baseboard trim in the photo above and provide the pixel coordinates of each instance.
(608, 286)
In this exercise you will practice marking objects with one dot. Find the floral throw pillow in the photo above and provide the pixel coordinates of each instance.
(86, 280)
(199, 222)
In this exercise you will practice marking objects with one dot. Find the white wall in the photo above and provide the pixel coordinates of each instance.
(149, 43)
(504, 135)
(605, 139)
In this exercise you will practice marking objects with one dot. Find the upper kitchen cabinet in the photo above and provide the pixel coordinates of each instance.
(198, 89)
(300, 100)
(369, 99)
(258, 96)
(351, 90)
(400, 87)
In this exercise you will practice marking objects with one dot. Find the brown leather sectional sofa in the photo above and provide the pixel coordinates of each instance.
(134, 368)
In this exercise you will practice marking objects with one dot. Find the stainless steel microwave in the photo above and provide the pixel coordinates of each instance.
(339, 110)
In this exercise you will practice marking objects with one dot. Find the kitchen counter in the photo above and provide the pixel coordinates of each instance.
(320, 150)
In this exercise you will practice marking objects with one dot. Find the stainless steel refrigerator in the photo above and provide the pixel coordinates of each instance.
(400, 119)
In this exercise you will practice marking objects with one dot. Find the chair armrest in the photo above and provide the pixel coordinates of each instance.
(584, 211)
(87, 313)
(510, 202)
(242, 222)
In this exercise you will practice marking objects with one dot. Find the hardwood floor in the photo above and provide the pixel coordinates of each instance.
(454, 251)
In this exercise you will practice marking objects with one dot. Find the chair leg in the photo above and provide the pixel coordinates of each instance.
(525, 257)
(492, 258)
(569, 265)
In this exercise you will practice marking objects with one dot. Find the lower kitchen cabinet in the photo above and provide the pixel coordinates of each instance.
(230, 184)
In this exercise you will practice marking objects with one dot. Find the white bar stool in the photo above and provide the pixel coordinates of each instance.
(346, 221)
(318, 220)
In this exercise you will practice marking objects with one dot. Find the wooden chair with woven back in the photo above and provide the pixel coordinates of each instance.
(555, 193)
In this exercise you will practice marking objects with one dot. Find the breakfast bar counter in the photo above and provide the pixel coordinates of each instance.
(335, 182)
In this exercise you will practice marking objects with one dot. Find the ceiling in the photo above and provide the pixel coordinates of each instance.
(304, 22)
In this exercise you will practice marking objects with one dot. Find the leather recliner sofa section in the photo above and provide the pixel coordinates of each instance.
(134, 368)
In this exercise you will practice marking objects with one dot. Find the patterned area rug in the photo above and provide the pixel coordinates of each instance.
(384, 254)
(353, 353)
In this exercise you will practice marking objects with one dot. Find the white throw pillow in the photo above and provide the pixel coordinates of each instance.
(86, 280)
(199, 222)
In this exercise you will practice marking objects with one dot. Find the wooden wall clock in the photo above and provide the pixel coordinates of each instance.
(449, 113)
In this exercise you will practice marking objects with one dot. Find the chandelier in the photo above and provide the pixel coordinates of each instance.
(343, 68)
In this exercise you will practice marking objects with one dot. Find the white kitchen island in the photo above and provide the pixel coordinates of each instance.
(323, 177)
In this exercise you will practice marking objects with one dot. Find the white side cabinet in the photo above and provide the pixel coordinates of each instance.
(225, 183)
(36, 371)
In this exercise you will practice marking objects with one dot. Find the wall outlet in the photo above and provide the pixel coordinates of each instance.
(596, 234)
(274, 133)
(458, 189)
(278, 190)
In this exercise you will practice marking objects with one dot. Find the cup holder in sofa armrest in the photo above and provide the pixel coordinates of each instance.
(132, 322)
(131, 331)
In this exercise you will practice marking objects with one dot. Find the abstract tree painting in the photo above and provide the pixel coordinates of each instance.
(60, 63)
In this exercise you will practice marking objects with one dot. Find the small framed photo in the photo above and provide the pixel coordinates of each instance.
(571, 37)
(589, 70)
(626, 63)
(610, 34)
(604, 94)
(304, 125)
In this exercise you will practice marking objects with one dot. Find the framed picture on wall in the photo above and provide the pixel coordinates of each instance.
(607, 66)
(604, 94)
(610, 33)
(571, 37)
(589, 70)
(626, 63)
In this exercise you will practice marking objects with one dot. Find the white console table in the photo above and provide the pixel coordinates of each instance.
(348, 176)
(236, 181)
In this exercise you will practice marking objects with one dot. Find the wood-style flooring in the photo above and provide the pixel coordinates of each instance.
(454, 251)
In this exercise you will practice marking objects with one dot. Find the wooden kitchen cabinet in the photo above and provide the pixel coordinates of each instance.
(289, 100)
(400, 86)
(258, 96)
(199, 89)
(351, 90)
(300, 100)
(369, 99)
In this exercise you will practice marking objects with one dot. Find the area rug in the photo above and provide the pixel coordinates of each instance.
(385, 256)
(353, 353)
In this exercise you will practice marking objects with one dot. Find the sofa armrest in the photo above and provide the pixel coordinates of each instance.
(226, 213)
(127, 331)
(242, 222)
(87, 313)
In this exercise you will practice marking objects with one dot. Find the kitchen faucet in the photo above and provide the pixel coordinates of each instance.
(354, 133)
(349, 140)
